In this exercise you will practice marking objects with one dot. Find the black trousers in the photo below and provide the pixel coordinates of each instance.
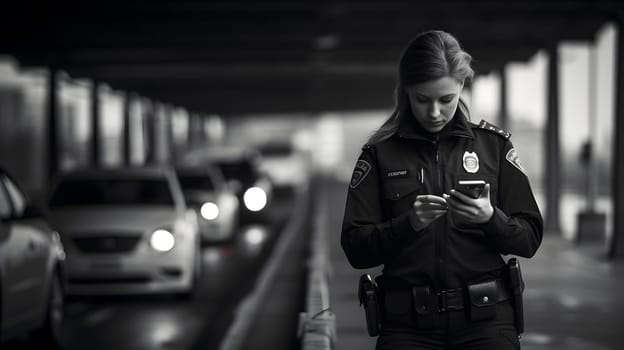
(453, 330)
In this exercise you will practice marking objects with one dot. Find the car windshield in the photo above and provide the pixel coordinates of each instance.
(196, 182)
(149, 192)
(276, 150)
(241, 170)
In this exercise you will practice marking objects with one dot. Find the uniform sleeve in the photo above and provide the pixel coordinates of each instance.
(368, 237)
(516, 226)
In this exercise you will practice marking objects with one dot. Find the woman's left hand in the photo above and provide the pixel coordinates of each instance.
(472, 210)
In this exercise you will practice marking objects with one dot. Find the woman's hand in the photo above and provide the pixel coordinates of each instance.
(471, 210)
(427, 208)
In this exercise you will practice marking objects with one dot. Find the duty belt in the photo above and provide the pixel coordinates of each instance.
(425, 298)
(450, 299)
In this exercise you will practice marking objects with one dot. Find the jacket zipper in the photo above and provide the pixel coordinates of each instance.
(440, 236)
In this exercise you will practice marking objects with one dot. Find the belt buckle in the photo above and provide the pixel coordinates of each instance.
(442, 301)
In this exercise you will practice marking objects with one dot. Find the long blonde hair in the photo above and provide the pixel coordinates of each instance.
(431, 55)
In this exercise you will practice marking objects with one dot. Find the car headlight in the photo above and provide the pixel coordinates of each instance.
(162, 240)
(209, 211)
(255, 199)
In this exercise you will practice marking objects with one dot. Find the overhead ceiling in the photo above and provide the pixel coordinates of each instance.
(233, 57)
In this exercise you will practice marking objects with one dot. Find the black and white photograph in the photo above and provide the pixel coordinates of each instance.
(311, 175)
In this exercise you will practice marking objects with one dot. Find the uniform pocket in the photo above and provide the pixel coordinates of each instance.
(400, 195)
(483, 298)
(398, 189)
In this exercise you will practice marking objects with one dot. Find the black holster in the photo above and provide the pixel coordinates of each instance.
(517, 287)
(368, 293)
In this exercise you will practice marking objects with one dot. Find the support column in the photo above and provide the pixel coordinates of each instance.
(616, 247)
(126, 129)
(171, 147)
(95, 125)
(191, 133)
(52, 106)
(149, 123)
(203, 130)
(159, 133)
(553, 160)
(591, 224)
(504, 113)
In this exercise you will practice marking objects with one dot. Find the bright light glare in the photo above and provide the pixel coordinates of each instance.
(209, 211)
(212, 255)
(161, 329)
(255, 199)
(254, 236)
(162, 240)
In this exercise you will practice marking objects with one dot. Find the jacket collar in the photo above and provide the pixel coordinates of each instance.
(458, 127)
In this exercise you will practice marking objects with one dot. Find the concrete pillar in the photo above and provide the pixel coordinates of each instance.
(169, 140)
(191, 133)
(160, 133)
(616, 248)
(591, 224)
(52, 106)
(126, 129)
(150, 134)
(553, 159)
(504, 113)
(203, 130)
(95, 125)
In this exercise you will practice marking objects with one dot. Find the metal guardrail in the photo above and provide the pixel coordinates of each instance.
(317, 325)
(244, 314)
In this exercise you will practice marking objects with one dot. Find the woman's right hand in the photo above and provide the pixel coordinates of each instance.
(427, 208)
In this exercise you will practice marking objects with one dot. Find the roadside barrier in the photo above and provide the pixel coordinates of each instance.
(317, 325)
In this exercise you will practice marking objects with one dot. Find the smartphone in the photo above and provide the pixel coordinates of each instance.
(471, 188)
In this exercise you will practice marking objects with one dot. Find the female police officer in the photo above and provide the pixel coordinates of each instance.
(444, 283)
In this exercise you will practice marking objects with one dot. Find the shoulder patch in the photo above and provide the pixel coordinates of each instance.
(366, 146)
(493, 128)
(362, 168)
(513, 158)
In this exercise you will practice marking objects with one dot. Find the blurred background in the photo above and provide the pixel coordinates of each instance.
(250, 117)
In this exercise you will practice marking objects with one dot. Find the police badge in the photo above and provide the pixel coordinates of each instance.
(470, 162)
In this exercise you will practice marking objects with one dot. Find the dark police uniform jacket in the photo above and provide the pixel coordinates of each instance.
(448, 253)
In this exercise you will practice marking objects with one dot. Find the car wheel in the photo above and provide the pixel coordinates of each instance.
(51, 332)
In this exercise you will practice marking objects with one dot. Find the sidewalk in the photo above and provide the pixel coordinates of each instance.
(350, 324)
(572, 298)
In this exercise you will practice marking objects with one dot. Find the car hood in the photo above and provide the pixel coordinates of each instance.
(78, 221)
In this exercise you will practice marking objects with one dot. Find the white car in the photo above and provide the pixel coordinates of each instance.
(126, 231)
(214, 202)
(287, 167)
(241, 168)
(31, 269)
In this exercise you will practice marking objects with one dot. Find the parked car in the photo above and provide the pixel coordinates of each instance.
(241, 168)
(31, 269)
(126, 231)
(216, 205)
(286, 167)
